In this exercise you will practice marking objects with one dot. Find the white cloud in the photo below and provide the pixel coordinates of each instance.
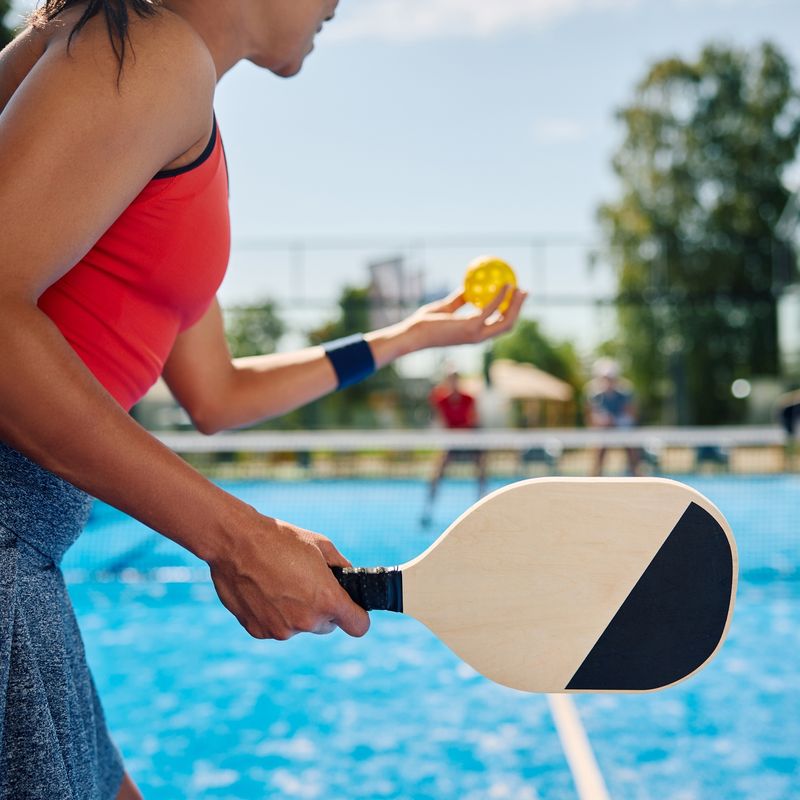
(406, 20)
(559, 130)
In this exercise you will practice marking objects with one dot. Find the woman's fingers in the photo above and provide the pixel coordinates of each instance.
(332, 556)
(449, 304)
(349, 616)
(489, 309)
(506, 321)
(277, 581)
(324, 627)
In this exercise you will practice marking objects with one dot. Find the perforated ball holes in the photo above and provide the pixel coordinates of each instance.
(485, 277)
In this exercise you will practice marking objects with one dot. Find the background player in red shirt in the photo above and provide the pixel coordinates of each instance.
(456, 409)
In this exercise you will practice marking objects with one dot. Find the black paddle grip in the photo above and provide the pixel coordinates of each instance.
(376, 589)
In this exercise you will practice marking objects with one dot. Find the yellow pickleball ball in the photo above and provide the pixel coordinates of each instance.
(485, 277)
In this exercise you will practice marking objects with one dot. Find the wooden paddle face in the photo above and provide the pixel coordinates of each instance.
(560, 584)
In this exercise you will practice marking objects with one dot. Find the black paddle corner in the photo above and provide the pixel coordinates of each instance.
(674, 617)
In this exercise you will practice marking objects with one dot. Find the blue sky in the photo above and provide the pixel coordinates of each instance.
(481, 116)
(462, 117)
(417, 117)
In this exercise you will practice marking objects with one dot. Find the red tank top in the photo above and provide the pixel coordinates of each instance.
(457, 409)
(151, 275)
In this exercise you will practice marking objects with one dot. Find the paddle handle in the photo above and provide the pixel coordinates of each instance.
(375, 589)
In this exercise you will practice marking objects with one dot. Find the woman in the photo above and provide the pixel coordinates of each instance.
(108, 278)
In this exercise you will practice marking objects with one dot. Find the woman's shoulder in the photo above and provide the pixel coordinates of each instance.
(161, 47)
(74, 105)
(166, 79)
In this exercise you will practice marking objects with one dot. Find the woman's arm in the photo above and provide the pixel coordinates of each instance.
(74, 152)
(220, 393)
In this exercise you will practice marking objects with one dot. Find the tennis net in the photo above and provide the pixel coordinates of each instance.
(370, 491)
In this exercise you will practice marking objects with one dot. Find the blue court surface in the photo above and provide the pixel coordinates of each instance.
(200, 710)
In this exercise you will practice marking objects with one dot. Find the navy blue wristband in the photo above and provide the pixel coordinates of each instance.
(351, 358)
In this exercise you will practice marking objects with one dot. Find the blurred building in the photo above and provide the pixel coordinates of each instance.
(395, 290)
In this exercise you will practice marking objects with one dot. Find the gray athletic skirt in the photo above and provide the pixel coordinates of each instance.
(53, 739)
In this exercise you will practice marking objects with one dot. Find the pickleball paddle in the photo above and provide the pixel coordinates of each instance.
(572, 584)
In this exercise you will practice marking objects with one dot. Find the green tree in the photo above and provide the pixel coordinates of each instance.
(352, 407)
(527, 344)
(6, 34)
(253, 330)
(693, 235)
(353, 317)
(349, 407)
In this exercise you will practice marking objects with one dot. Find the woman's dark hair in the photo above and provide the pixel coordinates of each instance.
(115, 12)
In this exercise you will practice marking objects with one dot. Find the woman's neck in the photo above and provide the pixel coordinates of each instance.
(221, 24)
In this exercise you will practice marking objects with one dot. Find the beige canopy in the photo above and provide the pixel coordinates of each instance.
(526, 382)
(536, 398)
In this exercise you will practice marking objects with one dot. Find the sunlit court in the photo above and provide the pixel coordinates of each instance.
(399, 399)
(397, 714)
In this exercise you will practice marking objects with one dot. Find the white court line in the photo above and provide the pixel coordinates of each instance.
(575, 743)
